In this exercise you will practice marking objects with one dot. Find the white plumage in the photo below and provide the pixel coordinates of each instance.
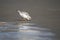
(24, 15)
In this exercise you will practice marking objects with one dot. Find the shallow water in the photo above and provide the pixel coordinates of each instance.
(25, 31)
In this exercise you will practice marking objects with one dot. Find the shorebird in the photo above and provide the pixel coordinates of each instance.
(25, 16)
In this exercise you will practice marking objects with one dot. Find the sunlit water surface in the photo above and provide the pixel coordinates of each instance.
(25, 31)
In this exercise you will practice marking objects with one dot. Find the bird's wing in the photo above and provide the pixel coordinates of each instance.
(26, 13)
(26, 16)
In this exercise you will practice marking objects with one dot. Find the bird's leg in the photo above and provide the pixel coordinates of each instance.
(23, 20)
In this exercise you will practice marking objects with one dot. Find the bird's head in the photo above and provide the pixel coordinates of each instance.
(18, 11)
